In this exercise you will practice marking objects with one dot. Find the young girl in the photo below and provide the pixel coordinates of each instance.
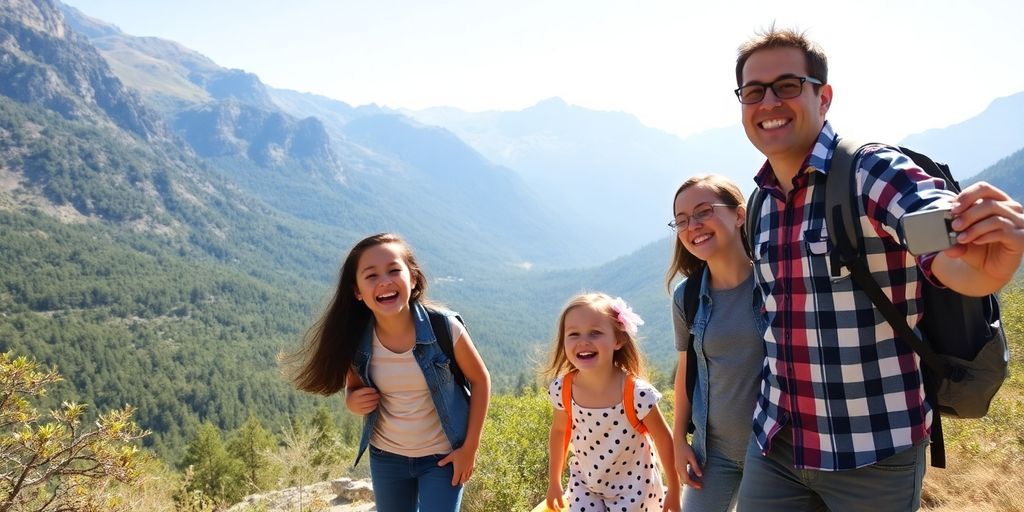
(375, 340)
(613, 467)
(709, 215)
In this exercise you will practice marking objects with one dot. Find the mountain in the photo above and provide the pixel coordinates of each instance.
(335, 114)
(75, 85)
(1007, 174)
(611, 175)
(304, 160)
(161, 246)
(128, 261)
(976, 143)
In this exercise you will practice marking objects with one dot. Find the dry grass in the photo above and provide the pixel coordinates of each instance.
(985, 457)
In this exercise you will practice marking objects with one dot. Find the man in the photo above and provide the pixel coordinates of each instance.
(841, 421)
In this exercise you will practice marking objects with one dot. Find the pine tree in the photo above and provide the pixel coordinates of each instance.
(215, 473)
(325, 438)
(251, 444)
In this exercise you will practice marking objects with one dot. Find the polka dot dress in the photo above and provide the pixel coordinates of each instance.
(612, 468)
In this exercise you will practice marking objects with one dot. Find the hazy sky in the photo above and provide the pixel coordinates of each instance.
(897, 67)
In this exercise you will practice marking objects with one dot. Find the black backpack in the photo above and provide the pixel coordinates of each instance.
(964, 354)
(691, 300)
(443, 333)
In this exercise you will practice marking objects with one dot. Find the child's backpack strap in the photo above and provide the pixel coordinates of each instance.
(567, 405)
(443, 333)
(627, 403)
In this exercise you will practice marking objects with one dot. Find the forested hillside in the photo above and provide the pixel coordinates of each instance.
(1007, 174)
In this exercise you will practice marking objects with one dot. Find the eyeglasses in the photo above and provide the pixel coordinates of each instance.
(784, 89)
(701, 214)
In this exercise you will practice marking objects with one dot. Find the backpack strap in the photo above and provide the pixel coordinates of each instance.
(567, 405)
(839, 217)
(840, 187)
(443, 332)
(840, 198)
(754, 203)
(691, 302)
(628, 404)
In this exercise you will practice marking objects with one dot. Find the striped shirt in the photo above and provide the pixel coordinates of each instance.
(408, 423)
(833, 368)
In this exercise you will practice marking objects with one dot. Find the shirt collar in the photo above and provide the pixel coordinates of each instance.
(816, 161)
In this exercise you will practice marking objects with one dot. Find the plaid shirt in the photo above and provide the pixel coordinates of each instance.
(833, 367)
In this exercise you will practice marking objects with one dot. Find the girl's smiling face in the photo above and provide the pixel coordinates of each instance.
(590, 338)
(383, 280)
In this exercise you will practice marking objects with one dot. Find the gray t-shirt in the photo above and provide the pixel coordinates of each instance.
(735, 354)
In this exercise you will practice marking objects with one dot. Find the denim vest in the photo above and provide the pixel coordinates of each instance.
(699, 407)
(450, 400)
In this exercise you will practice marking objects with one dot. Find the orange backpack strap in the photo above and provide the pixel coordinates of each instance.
(567, 405)
(627, 403)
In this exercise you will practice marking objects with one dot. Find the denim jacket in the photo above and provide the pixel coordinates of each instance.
(450, 400)
(699, 407)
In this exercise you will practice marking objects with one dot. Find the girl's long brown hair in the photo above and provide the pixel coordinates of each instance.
(321, 363)
(628, 357)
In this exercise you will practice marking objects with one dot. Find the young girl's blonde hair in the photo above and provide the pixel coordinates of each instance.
(628, 357)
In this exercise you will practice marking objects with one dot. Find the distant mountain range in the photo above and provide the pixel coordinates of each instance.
(607, 172)
(971, 146)
(232, 116)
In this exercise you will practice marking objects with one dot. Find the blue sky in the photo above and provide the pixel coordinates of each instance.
(897, 66)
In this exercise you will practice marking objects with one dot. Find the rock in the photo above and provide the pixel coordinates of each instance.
(340, 495)
(353, 490)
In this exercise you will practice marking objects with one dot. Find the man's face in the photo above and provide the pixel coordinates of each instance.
(783, 129)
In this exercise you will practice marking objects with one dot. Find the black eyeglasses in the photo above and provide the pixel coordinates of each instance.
(784, 89)
(700, 214)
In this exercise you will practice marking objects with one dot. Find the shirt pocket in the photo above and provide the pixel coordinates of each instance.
(442, 368)
(823, 257)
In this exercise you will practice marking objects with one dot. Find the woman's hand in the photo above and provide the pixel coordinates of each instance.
(463, 461)
(686, 460)
(362, 401)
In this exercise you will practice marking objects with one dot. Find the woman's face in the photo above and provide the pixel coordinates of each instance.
(709, 227)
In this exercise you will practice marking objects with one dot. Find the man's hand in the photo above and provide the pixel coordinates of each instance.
(990, 241)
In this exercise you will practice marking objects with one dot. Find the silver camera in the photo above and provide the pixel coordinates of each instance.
(928, 231)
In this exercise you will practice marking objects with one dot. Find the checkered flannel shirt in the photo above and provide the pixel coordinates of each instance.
(833, 368)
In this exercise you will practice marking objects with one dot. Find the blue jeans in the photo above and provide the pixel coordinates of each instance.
(410, 484)
(721, 485)
(771, 483)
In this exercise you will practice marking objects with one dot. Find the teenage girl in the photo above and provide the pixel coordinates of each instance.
(709, 213)
(613, 467)
(375, 341)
